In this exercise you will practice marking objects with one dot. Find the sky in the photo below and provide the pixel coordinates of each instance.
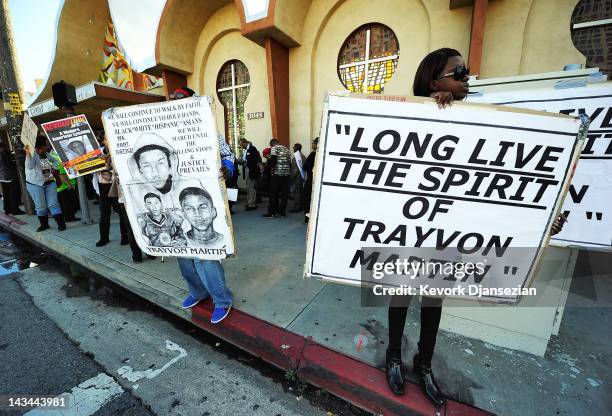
(35, 24)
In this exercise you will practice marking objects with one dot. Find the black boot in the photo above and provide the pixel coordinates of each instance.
(428, 382)
(44, 223)
(394, 372)
(61, 224)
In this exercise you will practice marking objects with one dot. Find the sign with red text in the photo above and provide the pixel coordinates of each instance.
(478, 182)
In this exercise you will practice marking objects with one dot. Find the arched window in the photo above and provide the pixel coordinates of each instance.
(592, 33)
(233, 85)
(368, 58)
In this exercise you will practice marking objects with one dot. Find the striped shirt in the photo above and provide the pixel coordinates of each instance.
(227, 157)
(283, 160)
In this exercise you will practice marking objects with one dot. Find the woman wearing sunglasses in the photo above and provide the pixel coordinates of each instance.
(442, 75)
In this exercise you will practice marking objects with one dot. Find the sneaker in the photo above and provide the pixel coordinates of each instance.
(190, 302)
(219, 314)
(269, 215)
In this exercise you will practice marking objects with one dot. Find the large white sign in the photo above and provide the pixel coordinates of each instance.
(588, 205)
(397, 172)
(167, 158)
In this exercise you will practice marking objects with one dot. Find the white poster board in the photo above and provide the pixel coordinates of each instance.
(167, 158)
(398, 172)
(588, 205)
(29, 130)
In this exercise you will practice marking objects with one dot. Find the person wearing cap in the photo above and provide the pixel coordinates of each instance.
(206, 278)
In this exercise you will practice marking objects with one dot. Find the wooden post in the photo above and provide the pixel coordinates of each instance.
(277, 58)
(479, 18)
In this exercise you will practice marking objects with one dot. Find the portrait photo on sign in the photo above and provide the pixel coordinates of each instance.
(167, 158)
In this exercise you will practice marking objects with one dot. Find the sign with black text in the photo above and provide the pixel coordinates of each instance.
(475, 183)
(167, 158)
(587, 206)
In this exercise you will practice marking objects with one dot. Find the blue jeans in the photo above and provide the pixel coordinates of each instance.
(206, 278)
(45, 198)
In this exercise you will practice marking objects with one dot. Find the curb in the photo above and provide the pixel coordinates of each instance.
(352, 380)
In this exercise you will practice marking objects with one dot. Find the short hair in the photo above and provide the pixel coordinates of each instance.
(273, 142)
(429, 69)
(242, 139)
(193, 191)
(151, 195)
(41, 141)
(298, 146)
(146, 148)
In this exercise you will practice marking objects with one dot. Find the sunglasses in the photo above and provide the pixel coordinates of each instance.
(459, 73)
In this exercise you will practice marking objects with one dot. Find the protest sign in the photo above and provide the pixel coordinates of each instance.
(587, 206)
(29, 131)
(470, 183)
(76, 145)
(167, 158)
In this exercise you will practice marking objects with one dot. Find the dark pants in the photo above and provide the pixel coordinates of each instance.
(136, 252)
(68, 202)
(11, 193)
(106, 203)
(431, 310)
(279, 188)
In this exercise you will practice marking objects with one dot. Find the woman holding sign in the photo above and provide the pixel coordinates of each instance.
(442, 75)
(41, 184)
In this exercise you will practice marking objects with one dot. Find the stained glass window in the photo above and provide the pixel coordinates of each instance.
(368, 58)
(592, 33)
(233, 85)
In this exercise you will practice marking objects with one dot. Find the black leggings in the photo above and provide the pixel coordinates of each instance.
(431, 310)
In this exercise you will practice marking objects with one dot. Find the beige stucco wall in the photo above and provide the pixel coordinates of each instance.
(80, 38)
(547, 44)
(289, 17)
(313, 66)
(528, 36)
(220, 41)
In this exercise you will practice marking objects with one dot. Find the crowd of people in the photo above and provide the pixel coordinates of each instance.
(277, 173)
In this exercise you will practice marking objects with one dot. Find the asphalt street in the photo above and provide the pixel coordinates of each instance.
(115, 355)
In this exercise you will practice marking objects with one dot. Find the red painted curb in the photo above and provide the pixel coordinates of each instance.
(8, 221)
(348, 378)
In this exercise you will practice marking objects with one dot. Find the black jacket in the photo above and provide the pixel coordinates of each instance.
(253, 159)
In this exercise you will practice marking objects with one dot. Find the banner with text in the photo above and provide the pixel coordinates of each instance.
(587, 206)
(76, 145)
(475, 183)
(167, 158)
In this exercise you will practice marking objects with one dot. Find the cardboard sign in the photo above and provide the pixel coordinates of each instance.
(76, 145)
(167, 158)
(587, 206)
(397, 178)
(29, 131)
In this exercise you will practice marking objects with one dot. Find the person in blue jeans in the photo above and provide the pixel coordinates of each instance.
(206, 278)
(41, 185)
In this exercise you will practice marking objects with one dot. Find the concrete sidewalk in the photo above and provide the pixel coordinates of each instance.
(314, 326)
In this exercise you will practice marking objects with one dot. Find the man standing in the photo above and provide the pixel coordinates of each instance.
(297, 177)
(206, 278)
(252, 160)
(280, 160)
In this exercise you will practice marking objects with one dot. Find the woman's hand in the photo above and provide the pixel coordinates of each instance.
(443, 98)
(27, 149)
(558, 224)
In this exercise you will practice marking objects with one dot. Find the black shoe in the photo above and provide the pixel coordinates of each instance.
(280, 215)
(428, 382)
(102, 242)
(61, 224)
(395, 379)
(269, 215)
(72, 219)
(18, 212)
(137, 259)
(44, 223)
(250, 208)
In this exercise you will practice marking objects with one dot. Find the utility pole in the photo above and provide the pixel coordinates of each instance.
(10, 81)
